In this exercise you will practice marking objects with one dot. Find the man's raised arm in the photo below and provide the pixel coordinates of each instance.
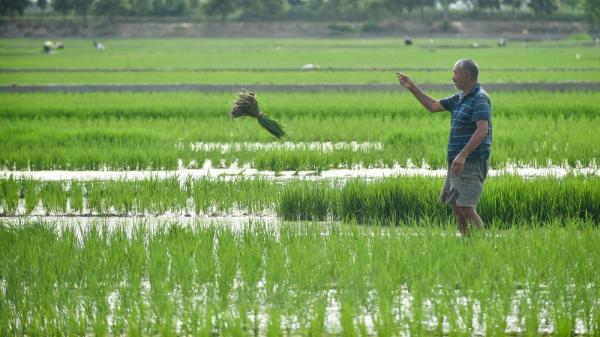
(429, 103)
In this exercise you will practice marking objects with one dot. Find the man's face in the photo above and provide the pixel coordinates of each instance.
(460, 78)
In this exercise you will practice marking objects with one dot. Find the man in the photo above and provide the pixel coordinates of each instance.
(469, 144)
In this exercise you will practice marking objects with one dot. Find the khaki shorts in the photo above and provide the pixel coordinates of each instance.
(465, 189)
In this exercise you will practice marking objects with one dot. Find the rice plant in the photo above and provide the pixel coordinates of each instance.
(54, 197)
(76, 197)
(9, 191)
(31, 194)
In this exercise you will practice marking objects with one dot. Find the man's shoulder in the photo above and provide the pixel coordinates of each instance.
(457, 95)
(482, 96)
(450, 102)
(481, 93)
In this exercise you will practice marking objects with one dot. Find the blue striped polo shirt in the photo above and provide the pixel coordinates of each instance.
(466, 111)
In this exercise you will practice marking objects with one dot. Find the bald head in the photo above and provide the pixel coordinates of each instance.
(468, 67)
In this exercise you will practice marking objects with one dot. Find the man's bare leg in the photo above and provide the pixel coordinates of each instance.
(471, 216)
(460, 219)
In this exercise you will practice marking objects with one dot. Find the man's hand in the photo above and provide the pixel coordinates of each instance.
(429, 103)
(458, 165)
(459, 162)
(405, 81)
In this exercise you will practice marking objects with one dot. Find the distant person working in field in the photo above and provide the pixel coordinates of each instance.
(469, 143)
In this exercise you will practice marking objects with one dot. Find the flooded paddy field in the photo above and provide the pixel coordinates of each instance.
(149, 212)
(367, 280)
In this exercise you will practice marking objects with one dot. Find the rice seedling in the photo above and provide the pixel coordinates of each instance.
(246, 105)
(96, 202)
(30, 192)
(54, 197)
(76, 197)
(9, 190)
(226, 272)
(301, 201)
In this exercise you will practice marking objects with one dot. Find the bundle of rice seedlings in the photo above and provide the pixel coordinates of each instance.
(246, 105)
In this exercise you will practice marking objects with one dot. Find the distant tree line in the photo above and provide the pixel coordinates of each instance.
(261, 10)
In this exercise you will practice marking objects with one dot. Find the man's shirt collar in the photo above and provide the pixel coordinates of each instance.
(475, 89)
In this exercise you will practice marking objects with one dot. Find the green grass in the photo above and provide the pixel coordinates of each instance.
(292, 53)
(139, 131)
(211, 280)
(399, 200)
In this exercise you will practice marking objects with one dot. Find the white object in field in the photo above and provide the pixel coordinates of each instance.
(99, 45)
(48, 46)
(577, 56)
(310, 66)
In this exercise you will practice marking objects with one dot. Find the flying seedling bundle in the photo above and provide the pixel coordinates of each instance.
(246, 105)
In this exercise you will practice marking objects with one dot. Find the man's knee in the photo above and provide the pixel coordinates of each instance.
(457, 209)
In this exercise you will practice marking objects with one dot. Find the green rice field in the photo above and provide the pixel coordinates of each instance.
(255, 61)
(508, 199)
(303, 279)
(281, 77)
(156, 130)
(130, 232)
(294, 53)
